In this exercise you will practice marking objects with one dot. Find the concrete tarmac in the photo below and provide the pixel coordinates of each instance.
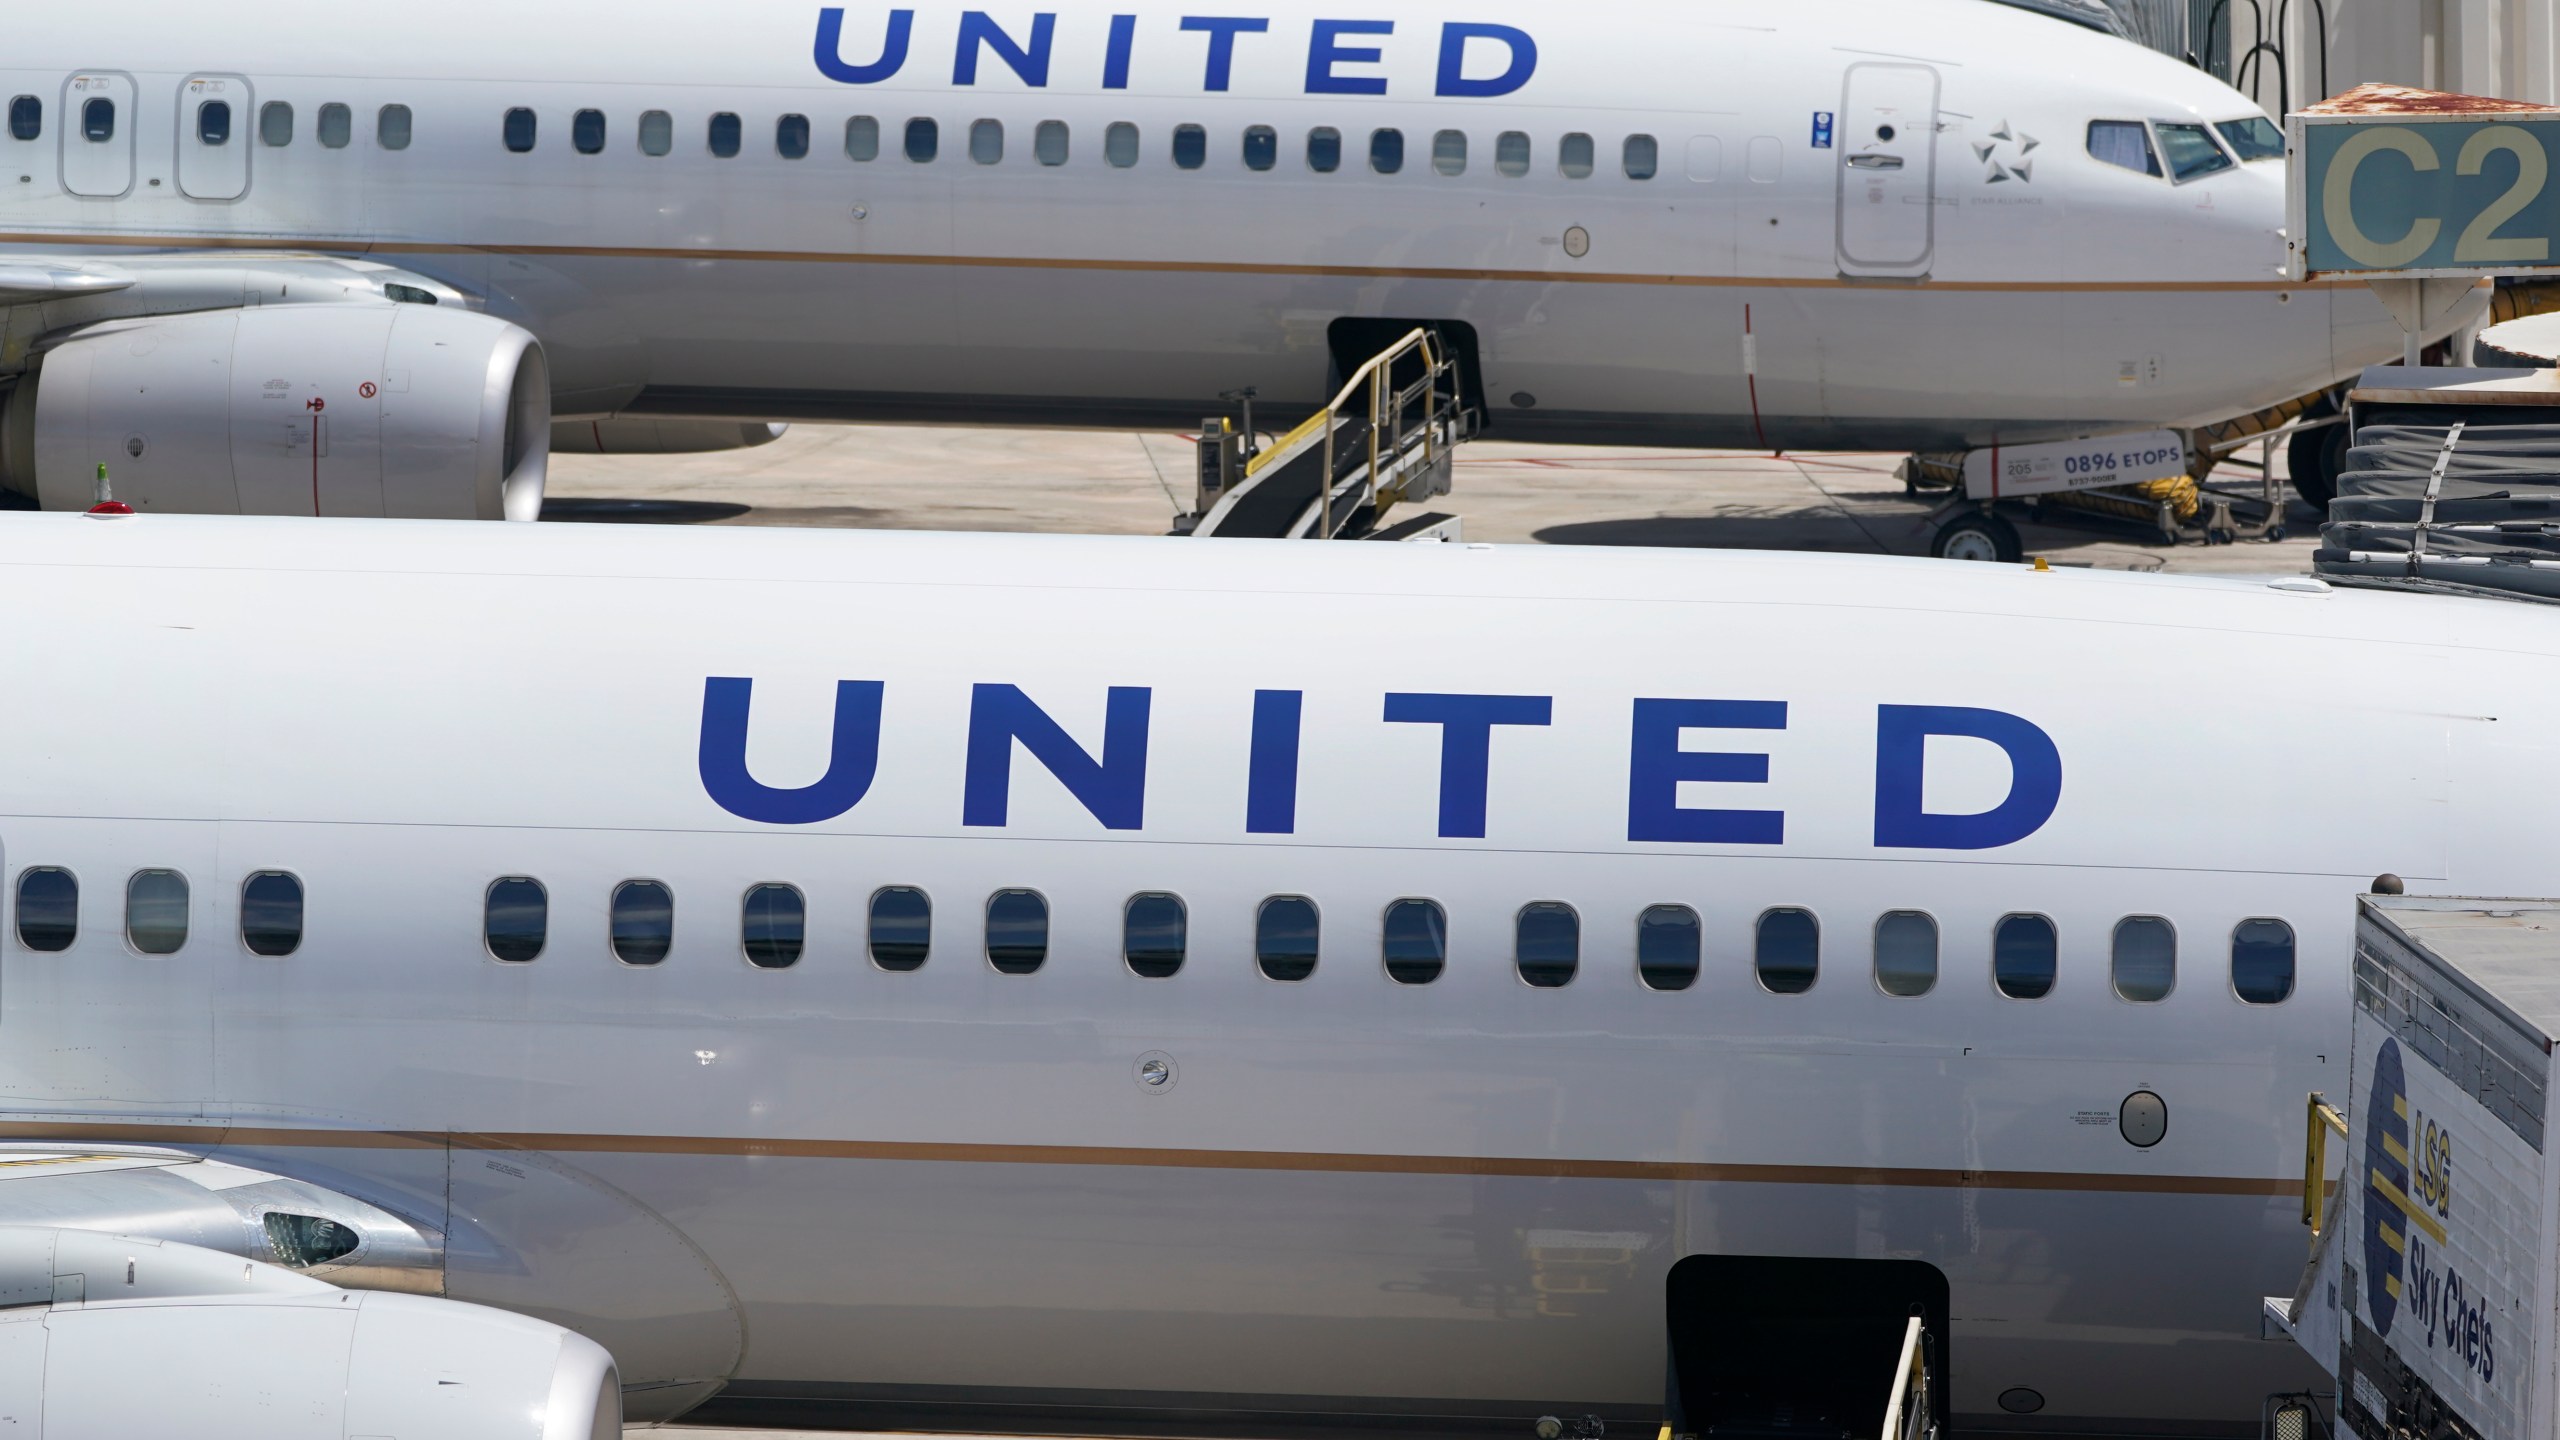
(915, 477)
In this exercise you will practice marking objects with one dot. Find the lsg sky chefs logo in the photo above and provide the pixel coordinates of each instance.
(2408, 1193)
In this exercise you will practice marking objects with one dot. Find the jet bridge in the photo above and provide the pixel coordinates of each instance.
(1388, 437)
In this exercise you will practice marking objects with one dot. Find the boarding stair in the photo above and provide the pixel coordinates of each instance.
(1389, 437)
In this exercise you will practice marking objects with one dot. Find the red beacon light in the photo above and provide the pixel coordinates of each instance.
(108, 506)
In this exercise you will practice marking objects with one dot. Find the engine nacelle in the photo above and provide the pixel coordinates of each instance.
(409, 410)
(115, 1337)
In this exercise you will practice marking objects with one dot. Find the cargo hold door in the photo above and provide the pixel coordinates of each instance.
(1888, 170)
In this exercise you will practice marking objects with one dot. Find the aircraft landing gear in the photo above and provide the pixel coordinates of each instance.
(1978, 535)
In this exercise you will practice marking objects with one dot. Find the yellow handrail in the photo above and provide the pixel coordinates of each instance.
(2322, 1118)
(1416, 337)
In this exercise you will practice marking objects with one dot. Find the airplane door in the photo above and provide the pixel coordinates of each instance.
(213, 137)
(97, 135)
(1888, 169)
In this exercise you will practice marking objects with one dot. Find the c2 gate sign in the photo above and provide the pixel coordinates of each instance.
(2416, 195)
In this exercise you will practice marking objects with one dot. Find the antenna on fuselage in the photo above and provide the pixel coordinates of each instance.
(107, 507)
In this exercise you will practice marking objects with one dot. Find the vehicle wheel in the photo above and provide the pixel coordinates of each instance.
(2316, 457)
(2275, 534)
(1978, 536)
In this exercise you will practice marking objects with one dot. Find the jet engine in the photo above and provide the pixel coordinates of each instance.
(397, 409)
(111, 1335)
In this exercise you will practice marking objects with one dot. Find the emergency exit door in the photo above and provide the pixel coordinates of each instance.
(1888, 142)
(97, 135)
(213, 137)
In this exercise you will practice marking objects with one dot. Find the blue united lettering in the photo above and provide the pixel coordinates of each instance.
(1485, 752)
(1473, 60)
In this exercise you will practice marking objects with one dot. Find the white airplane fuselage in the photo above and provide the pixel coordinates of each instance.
(1865, 224)
(844, 1191)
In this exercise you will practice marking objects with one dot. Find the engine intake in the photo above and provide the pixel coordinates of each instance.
(339, 409)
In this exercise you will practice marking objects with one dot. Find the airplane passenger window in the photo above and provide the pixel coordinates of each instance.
(1190, 146)
(1546, 943)
(862, 138)
(586, 131)
(1762, 159)
(1017, 931)
(1906, 953)
(1416, 942)
(924, 140)
(2125, 144)
(98, 121)
(1786, 951)
(727, 135)
(2022, 956)
(644, 922)
(2255, 138)
(26, 117)
(519, 130)
(1324, 149)
(1511, 153)
(1386, 151)
(2144, 964)
(516, 919)
(1152, 934)
(155, 911)
(1573, 157)
(772, 924)
(986, 141)
(1284, 937)
(1641, 157)
(901, 927)
(1120, 145)
(791, 137)
(1449, 152)
(1261, 147)
(48, 908)
(2190, 151)
(275, 124)
(271, 913)
(1667, 947)
(657, 132)
(2262, 961)
(213, 122)
(337, 126)
(1049, 142)
(391, 127)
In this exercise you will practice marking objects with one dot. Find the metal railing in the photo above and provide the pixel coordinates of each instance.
(2323, 1118)
(1907, 1414)
(1394, 427)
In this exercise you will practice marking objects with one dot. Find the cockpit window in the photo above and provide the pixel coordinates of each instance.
(2255, 138)
(2191, 152)
(2125, 144)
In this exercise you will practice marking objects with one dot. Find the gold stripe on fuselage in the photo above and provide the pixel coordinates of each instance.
(1345, 1162)
(1153, 267)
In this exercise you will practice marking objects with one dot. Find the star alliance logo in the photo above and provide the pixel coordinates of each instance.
(2005, 167)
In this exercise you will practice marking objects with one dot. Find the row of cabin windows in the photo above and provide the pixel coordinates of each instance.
(1547, 936)
(1639, 156)
(1546, 948)
(215, 121)
(1052, 144)
(156, 911)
